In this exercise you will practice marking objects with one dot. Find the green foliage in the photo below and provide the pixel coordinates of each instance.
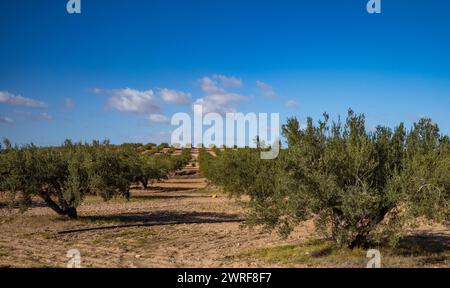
(178, 162)
(359, 186)
(62, 176)
(150, 146)
(164, 145)
(153, 168)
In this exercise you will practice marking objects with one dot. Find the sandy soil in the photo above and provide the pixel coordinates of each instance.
(31, 239)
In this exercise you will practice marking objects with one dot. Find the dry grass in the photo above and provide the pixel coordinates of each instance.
(414, 251)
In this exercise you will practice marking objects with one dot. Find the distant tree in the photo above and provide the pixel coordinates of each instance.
(164, 145)
(150, 146)
(152, 168)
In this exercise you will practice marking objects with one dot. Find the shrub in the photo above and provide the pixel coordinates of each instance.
(62, 176)
(152, 168)
(164, 145)
(178, 162)
(359, 186)
(150, 146)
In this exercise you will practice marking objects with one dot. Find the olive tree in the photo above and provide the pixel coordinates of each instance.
(359, 186)
(62, 176)
(152, 168)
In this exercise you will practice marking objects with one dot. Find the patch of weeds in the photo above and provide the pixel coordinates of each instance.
(323, 253)
(47, 234)
(312, 253)
(137, 236)
(37, 221)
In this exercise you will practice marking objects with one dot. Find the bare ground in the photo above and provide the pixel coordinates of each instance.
(31, 239)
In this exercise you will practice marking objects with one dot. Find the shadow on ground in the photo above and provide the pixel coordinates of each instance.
(162, 217)
(163, 189)
(16, 205)
(162, 197)
(425, 243)
(153, 219)
(432, 248)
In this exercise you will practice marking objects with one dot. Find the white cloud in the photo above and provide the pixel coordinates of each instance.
(131, 100)
(291, 104)
(266, 89)
(158, 118)
(228, 81)
(95, 90)
(6, 120)
(33, 116)
(209, 106)
(175, 97)
(68, 103)
(44, 116)
(216, 98)
(18, 100)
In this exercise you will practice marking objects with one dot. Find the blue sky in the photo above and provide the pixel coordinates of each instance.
(120, 68)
